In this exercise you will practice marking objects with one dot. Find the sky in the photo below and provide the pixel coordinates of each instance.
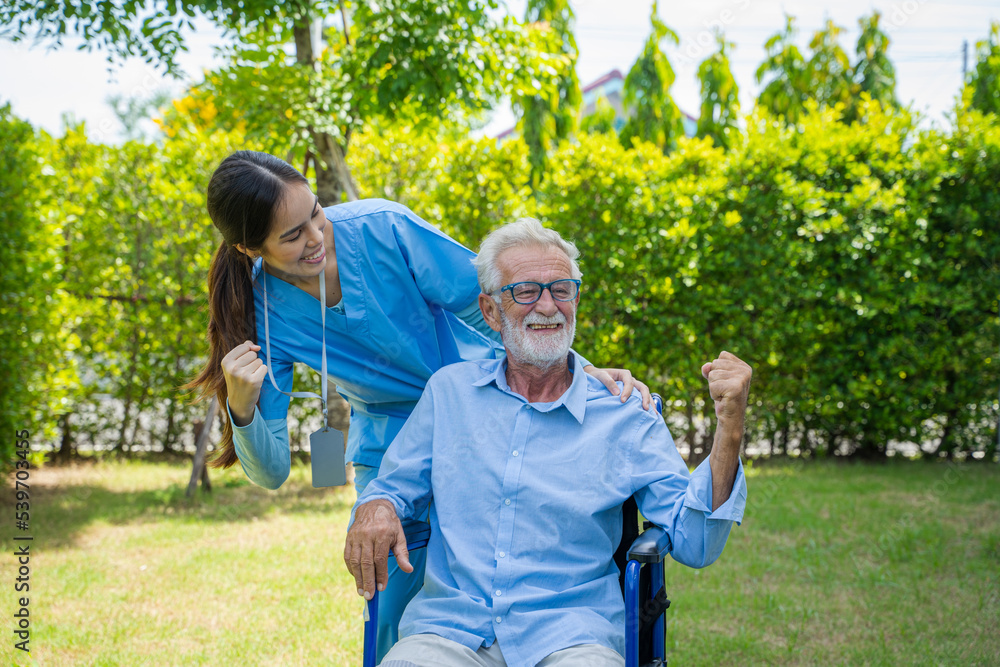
(45, 84)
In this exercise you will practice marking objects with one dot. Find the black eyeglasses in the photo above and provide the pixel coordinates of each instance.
(528, 292)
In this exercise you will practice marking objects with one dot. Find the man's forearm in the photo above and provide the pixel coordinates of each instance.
(724, 459)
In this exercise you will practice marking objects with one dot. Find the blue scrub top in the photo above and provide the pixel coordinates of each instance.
(403, 281)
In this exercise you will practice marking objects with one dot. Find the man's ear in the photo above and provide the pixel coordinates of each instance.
(491, 311)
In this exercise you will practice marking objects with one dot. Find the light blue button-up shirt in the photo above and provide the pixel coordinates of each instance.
(526, 510)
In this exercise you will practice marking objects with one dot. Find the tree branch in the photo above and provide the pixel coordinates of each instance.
(343, 16)
(134, 298)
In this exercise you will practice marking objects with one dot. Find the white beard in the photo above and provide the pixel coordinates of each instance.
(541, 350)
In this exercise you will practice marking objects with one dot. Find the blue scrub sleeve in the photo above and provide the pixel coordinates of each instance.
(262, 447)
(473, 316)
(441, 267)
(583, 362)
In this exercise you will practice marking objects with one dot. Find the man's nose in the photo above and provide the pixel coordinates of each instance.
(546, 305)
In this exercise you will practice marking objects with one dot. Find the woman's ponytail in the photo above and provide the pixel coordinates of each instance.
(231, 321)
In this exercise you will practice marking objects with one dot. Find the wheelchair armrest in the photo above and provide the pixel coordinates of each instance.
(652, 546)
(417, 533)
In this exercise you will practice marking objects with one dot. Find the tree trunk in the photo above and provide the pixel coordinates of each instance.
(168, 435)
(129, 378)
(206, 483)
(689, 431)
(170, 439)
(945, 444)
(327, 184)
(338, 411)
(808, 445)
(65, 451)
(199, 469)
(701, 450)
(173, 437)
(134, 361)
(302, 32)
(833, 437)
(333, 177)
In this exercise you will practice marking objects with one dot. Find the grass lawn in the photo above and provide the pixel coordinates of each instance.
(836, 563)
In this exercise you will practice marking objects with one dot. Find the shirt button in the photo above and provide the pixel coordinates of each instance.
(499, 620)
(515, 452)
(499, 593)
(502, 554)
(507, 502)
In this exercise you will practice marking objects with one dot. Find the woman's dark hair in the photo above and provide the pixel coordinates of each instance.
(243, 195)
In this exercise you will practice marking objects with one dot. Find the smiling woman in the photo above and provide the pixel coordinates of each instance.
(295, 251)
(403, 304)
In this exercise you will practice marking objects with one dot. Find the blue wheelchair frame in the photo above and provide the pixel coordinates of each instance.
(649, 550)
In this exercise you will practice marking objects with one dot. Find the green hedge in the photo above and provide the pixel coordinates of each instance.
(856, 267)
(31, 307)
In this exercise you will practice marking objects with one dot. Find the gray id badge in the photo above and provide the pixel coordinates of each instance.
(326, 449)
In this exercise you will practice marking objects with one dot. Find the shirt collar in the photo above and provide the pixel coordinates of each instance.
(574, 398)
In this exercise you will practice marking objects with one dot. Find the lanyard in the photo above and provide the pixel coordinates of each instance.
(267, 344)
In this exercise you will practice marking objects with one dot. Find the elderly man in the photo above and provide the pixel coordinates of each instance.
(528, 461)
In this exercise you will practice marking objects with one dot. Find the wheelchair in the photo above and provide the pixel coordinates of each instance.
(640, 559)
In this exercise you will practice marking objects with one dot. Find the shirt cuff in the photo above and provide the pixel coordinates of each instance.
(699, 494)
(364, 499)
(262, 449)
(249, 428)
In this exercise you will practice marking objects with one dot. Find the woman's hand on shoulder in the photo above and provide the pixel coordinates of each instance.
(610, 376)
(244, 372)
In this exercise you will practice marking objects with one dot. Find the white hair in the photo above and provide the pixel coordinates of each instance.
(517, 234)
